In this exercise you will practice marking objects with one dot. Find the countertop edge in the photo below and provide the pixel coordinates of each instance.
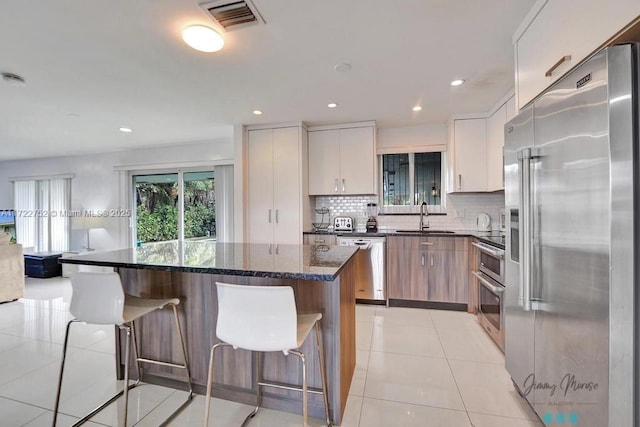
(220, 271)
(388, 233)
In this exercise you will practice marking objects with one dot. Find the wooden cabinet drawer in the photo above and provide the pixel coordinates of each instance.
(428, 268)
(441, 243)
(320, 239)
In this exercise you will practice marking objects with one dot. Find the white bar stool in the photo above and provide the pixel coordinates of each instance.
(264, 318)
(99, 298)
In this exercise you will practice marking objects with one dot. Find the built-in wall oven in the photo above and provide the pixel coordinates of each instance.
(490, 274)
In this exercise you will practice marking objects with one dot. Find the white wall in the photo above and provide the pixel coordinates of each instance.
(96, 184)
(422, 138)
(460, 213)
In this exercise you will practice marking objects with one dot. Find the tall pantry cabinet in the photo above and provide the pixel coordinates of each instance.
(277, 185)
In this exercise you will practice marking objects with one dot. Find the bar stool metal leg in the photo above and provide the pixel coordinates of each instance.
(185, 366)
(127, 357)
(210, 380)
(303, 359)
(257, 379)
(323, 372)
(64, 356)
(136, 356)
(184, 350)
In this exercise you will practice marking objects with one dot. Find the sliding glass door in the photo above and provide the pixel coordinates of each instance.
(173, 206)
(199, 205)
(156, 207)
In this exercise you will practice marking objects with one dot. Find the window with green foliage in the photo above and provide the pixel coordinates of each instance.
(411, 178)
(162, 200)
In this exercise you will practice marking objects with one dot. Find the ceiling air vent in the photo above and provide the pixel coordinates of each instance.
(232, 14)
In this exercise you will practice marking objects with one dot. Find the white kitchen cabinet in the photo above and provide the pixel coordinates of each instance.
(275, 185)
(495, 144)
(468, 145)
(342, 160)
(475, 150)
(324, 163)
(563, 33)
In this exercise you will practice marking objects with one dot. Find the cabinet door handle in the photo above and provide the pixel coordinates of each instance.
(459, 181)
(277, 215)
(343, 185)
(557, 64)
(426, 243)
(335, 187)
(431, 260)
(319, 240)
(422, 260)
(269, 216)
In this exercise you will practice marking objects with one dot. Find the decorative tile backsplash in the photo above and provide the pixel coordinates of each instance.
(461, 211)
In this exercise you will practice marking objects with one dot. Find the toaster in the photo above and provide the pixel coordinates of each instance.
(343, 223)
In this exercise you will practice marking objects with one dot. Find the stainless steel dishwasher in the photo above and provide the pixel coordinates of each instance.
(370, 268)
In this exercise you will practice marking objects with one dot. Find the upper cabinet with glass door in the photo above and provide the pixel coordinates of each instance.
(342, 159)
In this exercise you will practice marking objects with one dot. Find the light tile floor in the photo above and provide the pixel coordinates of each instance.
(414, 368)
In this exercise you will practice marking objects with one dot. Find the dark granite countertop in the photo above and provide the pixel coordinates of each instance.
(307, 262)
(495, 238)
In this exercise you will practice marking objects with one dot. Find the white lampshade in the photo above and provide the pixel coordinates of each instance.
(87, 222)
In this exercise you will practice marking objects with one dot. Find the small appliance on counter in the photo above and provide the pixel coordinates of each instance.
(322, 225)
(372, 221)
(483, 222)
(343, 223)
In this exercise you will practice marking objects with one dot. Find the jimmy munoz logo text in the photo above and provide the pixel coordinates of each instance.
(567, 385)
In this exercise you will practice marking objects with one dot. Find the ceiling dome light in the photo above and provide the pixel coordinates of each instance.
(332, 105)
(257, 112)
(342, 67)
(417, 108)
(126, 130)
(457, 82)
(202, 38)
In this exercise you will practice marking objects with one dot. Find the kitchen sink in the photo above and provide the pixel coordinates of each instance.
(426, 231)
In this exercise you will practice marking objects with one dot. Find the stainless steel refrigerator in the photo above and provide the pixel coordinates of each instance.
(571, 196)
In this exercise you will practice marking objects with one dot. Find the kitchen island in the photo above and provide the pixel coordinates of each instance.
(322, 280)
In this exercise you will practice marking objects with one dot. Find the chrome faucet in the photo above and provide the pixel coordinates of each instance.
(423, 213)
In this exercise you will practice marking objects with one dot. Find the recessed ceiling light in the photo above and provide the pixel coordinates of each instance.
(417, 108)
(457, 82)
(332, 105)
(202, 38)
(257, 112)
(126, 130)
(343, 67)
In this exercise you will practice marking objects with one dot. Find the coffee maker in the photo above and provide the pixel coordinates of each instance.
(372, 222)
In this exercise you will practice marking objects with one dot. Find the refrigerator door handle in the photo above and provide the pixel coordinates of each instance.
(524, 169)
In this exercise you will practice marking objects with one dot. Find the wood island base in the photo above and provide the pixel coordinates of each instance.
(235, 369)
